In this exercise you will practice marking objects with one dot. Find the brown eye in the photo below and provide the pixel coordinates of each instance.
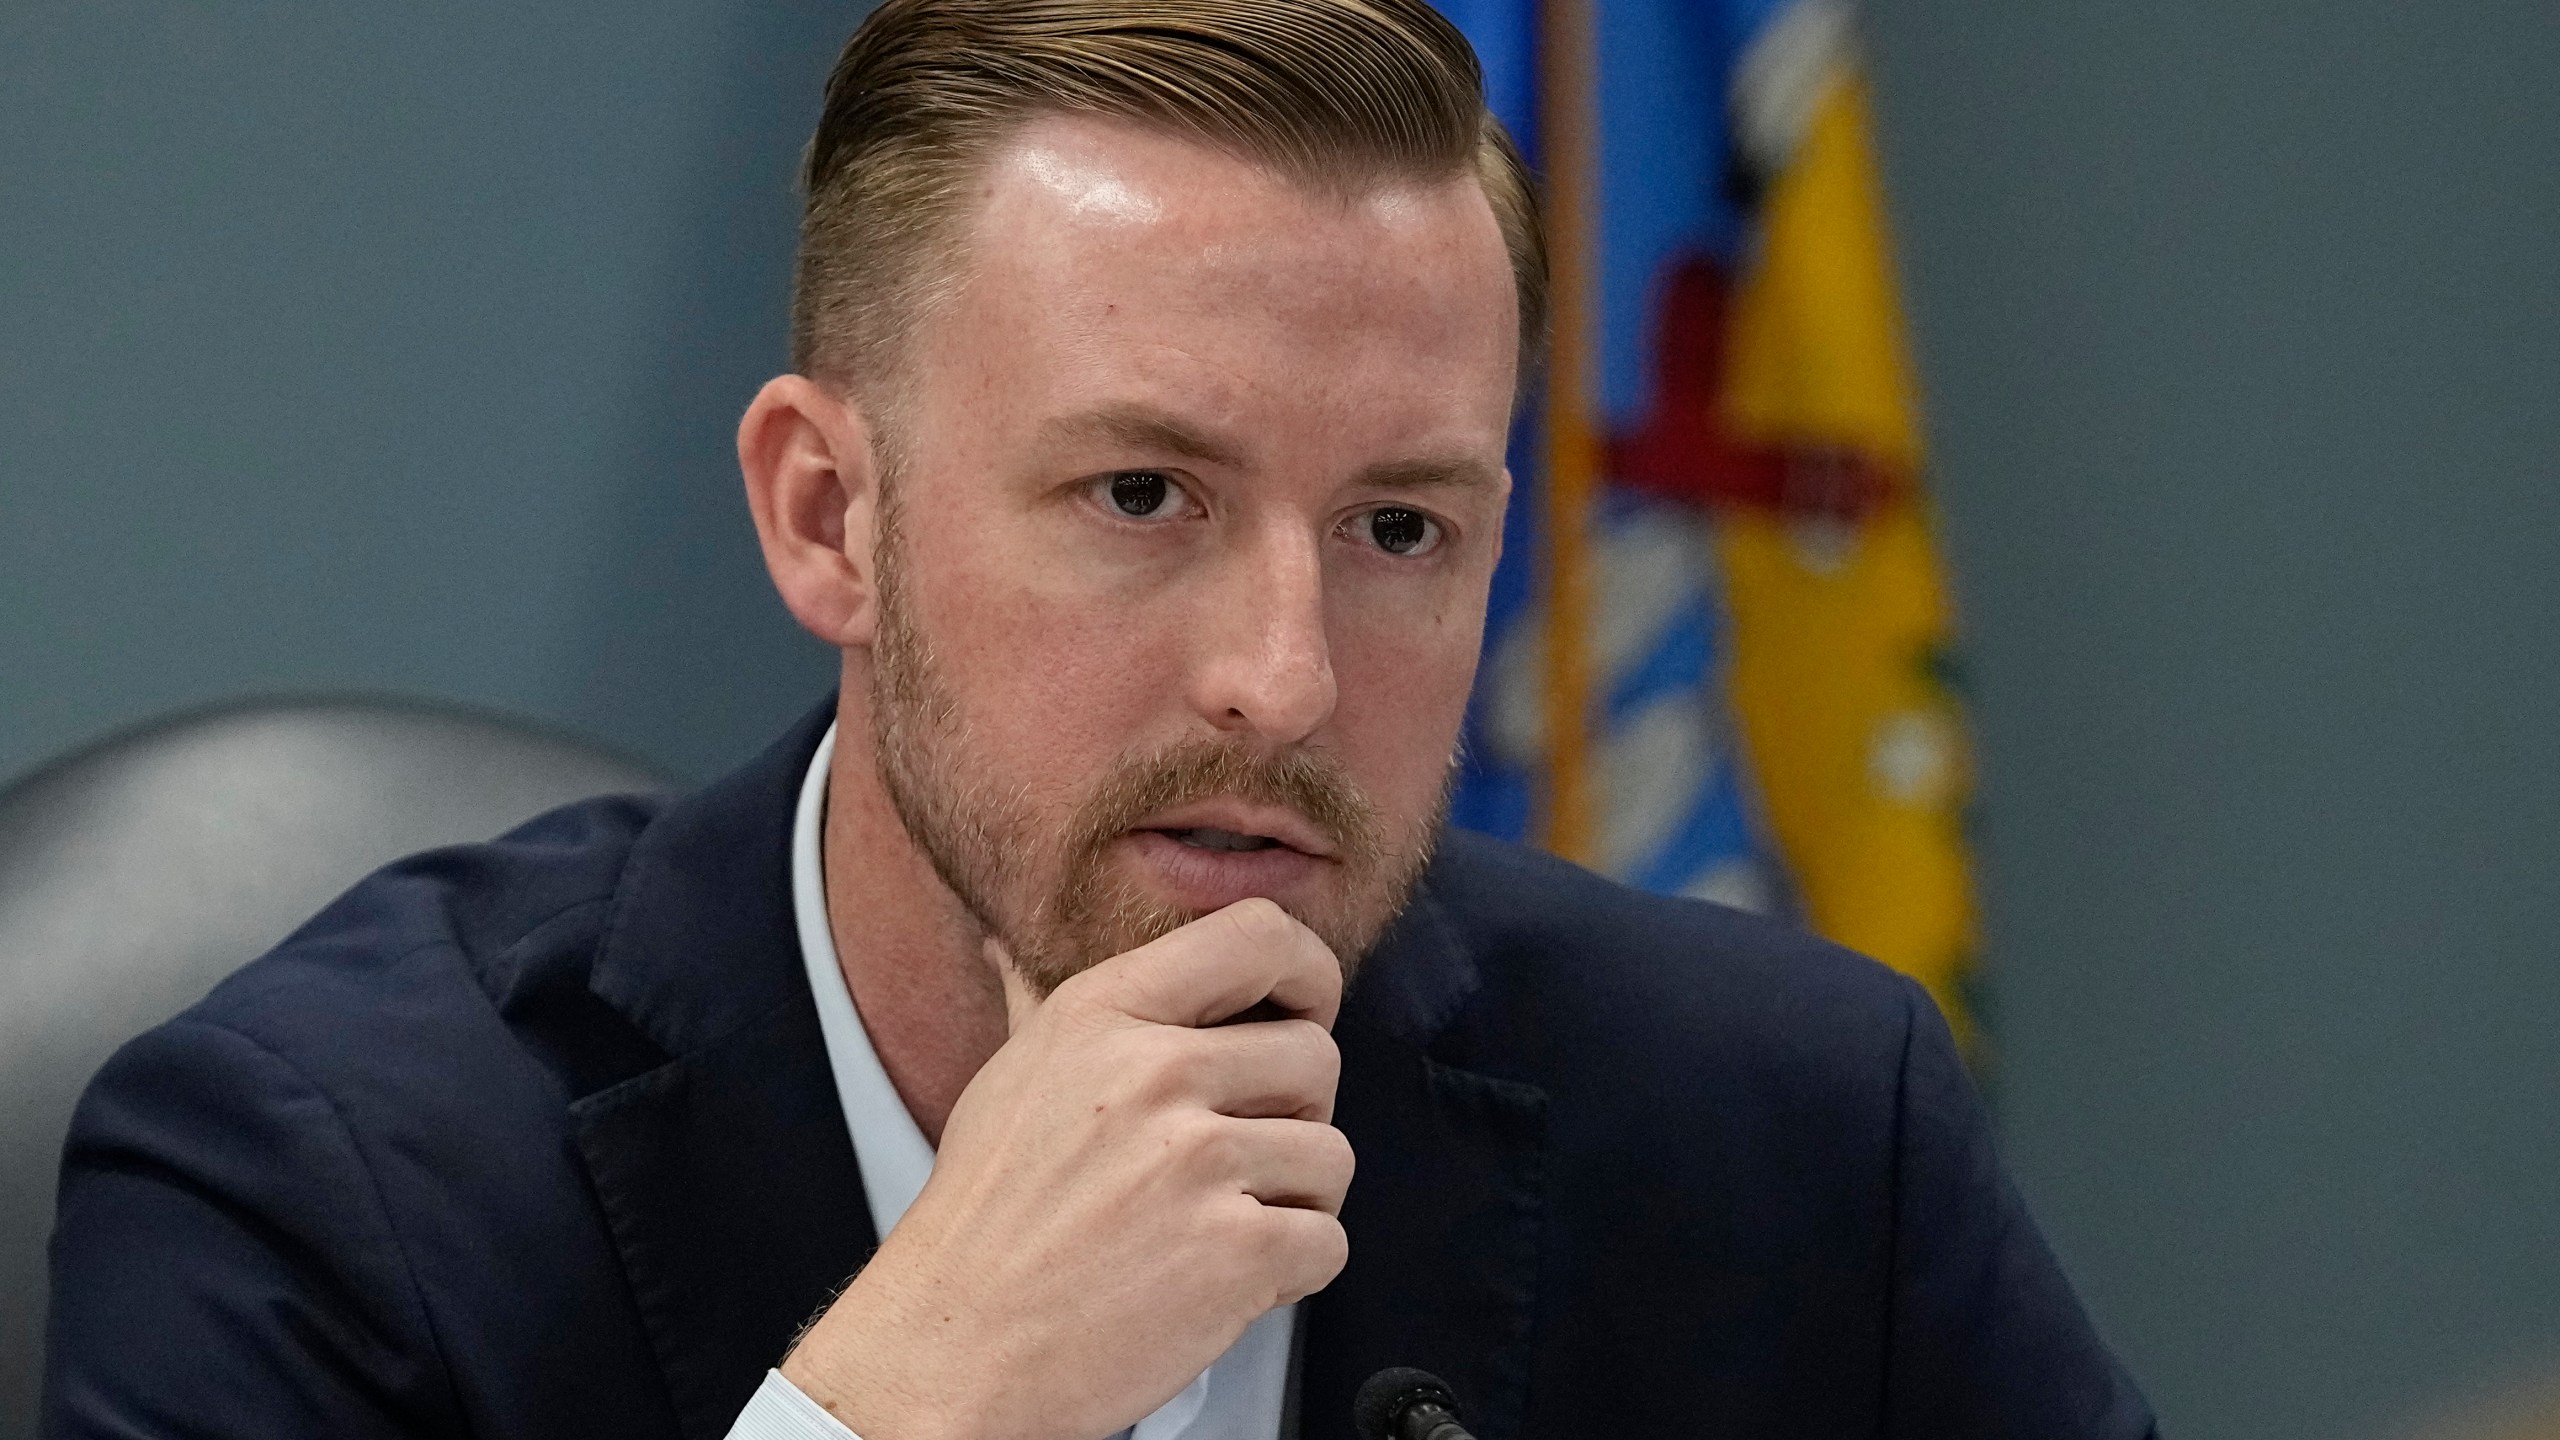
(1399, 531)
(1139, 493)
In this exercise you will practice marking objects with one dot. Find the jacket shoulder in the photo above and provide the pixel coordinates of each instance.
(325, 1183)
(1577, 971)
(457, 959)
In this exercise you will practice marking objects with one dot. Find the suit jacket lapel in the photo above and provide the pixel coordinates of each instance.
(726, 1174)
(1443, 1214)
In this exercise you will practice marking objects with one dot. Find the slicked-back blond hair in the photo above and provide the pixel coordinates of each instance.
(1340, 95)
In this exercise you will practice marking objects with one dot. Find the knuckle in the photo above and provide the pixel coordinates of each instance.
(1333, 1246)
(1162, 1065)
(1307, 1254)
(1217, 1148)
(1317, 1046)
(1340, 1161)
(1244, 1229)
(1260, 920)
(1196, 1139)
(1082, 997)
(1271, 1234)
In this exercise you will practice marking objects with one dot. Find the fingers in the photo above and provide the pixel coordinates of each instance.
(1289, 1163)
(1302, 1251)
(1224, 962)
(1284, 1069)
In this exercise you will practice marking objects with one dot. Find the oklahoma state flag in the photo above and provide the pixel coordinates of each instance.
(1768, 717)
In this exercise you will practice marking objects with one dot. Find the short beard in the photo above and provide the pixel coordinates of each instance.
(992, 849)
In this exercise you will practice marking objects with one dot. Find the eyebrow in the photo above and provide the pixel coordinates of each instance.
(1143, 427)
(1462, 472)
(1140, 427)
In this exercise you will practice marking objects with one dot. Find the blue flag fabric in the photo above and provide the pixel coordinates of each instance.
(1676, 812)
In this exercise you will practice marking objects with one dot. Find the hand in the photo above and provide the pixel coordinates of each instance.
(1119, 1192)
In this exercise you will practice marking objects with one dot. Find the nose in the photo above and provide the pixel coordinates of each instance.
(1266, 667)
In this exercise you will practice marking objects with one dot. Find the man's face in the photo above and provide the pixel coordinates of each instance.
(1183, 564)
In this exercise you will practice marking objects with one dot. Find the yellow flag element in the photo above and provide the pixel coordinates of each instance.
(1857, 744)
(1841, 625)
(1818, 355)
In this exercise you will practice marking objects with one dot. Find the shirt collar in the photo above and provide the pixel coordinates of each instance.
(887, 1143)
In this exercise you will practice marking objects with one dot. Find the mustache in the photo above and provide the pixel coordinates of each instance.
(1309, 782)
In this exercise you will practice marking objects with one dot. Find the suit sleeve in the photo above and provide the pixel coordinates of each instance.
(1987, 1338)
(222, 1264)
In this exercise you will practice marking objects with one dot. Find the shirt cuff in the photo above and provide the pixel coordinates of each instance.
(778, 1411)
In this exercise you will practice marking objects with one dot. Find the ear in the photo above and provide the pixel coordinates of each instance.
(815, 490)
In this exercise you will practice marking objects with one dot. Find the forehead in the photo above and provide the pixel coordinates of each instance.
(1117, 252)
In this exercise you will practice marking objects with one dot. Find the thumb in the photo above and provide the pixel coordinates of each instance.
(1019, 1002)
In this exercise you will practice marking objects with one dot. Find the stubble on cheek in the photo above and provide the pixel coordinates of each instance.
(1050, 890)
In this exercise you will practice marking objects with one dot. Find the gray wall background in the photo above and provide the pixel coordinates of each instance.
(2240, 323)
(398, 348)
(345, 347)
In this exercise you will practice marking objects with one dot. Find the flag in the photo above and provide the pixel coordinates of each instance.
(1762, 676)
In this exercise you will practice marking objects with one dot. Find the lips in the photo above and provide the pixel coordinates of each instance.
(1230, 826)
(1207, 837)
(1197, 866)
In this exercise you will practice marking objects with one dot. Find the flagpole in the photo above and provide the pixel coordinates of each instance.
(1568, 145)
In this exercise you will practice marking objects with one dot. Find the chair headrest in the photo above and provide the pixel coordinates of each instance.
(136, 873)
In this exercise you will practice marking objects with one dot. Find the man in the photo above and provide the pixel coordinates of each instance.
(1143, 456)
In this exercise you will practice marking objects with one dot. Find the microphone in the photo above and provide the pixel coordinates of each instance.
(1402, 1403)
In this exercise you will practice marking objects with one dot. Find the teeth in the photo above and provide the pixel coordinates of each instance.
(1205, 838)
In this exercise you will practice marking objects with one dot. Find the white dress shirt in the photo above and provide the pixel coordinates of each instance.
(1240, 1395)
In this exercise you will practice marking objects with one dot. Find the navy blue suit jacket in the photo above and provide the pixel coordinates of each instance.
(538, 1138)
